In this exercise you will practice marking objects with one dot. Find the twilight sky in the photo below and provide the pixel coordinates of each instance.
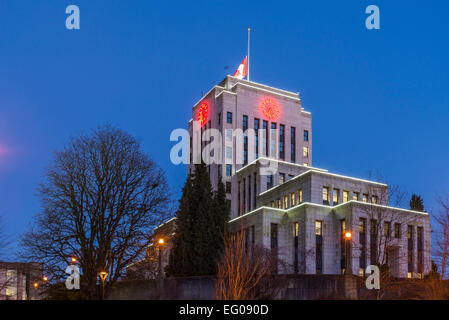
(379, 98)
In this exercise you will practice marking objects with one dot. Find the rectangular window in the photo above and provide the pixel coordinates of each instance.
(355, 196)
(373, 241)
(265, 138)
(274, 242)
(229, 117)
(397, 230)
(345, 196)
(282, 142)
(362, 240)
(305, 152)
(229, 135)
(255, 190)
(245, 123)
(281, 178)
(318, 228)
(219, 118)
(293, 144)
(256, 137)
(299, 196)
(253, 235)
(365, 198)
(272, 204)
(279, 203)
(336, 196)
(11, 284)
(273, 140)
(306, 135)
(269, 181)
(249, 193)
(326, 195)
(229, 170)
(343, 247)
(245, 140)
(292, 199)
(387, 227)
(374, 199)
(285, 202)
(228, 187)
(420, 250)
(410, 249)
(228, 153)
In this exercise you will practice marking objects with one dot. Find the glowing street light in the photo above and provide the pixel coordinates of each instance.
(348, 235)
(36, 285)
(161, 241)
(45, 279)
(73, 260)
(103, 276)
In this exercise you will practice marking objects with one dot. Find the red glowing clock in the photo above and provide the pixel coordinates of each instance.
(270, 108)
(203, 112)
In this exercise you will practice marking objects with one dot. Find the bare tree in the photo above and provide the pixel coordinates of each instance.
(245, 272)
(100, 199)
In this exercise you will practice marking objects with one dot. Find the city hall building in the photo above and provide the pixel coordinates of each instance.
(315, 221)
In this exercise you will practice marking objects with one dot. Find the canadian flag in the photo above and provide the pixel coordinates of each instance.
(242, 70)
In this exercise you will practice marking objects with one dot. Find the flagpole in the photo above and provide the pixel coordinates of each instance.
(249, 41)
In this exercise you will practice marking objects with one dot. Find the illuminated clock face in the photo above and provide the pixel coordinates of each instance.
(203, 112)
(270, 108)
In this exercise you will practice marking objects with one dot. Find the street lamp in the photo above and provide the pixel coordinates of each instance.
(36, 285)
(103, 276)
(348, 236)
(73, 260)
(160, 242)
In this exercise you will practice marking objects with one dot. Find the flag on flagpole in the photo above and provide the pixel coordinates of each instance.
(242, 71)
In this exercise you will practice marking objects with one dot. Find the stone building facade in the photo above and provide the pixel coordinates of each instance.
(282, 202)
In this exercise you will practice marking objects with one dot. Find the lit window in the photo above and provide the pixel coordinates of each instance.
(11, 284)
(361, 272)
(365, 198)
(409, 275)
(397, 230)
(306, 164)
(387, 229)
(296, 229)
(318, 228)
(305, 152)
(326, 195)
(279, 203)
(374, 199)
(272, 204)
(285, 202)
(336, 196)
(299, 196)
(292, 198)
(281, 178)
(345, 196)
(355, 196)
(228, 134)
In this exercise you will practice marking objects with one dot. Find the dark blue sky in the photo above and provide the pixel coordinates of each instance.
(379, 99)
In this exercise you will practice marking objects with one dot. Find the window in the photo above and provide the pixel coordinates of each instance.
(296, 247)
(345, 196)
(293, 144)
(269, 181)
(228, 187)
(274, 236)
(273, 140)
(272, 204)
(229, 117)
(265, 138)
(420, 251)
(229, 135)
(292, 199)
(306, 135)
(229, 170)
(305, 152)
(355, 196)
(318, 228)
(228, 153)
(279, 203)
(326, 195)
(336, 196)
(299, 196)
(11, 284)
(374, 199)
(285, 202)
(397, 230)
(362, 241)
(245, 140)
(245, 123)
(255, 191)
(282, 141)
(387, 229)
(305, 164)
(365, 198)
(281, 178)
(256, 137)
(219, 118)
(410, 249)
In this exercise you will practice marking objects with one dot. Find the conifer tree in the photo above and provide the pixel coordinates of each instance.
(200, 224)
(416, 203)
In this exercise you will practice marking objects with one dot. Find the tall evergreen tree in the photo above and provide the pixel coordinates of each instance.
(201, 221)
(416, 203)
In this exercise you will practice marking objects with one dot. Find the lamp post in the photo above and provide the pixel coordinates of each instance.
(348, 237)
(73, 260)
(160, 242)
(103, 275)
